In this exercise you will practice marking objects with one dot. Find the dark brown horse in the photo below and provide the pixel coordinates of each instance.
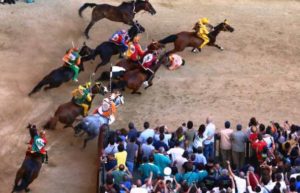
(190, 39)
(68, 112)
(123, 13)
(134, 79)
(30, 168)
(128, 64)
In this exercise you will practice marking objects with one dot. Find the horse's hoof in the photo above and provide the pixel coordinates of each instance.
(221, 48)
(93, 74)
(27, 189)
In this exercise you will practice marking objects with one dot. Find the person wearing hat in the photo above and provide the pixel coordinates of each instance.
(107, 109)
(120, 38)
(203, 32)
(82, 96)
(73, 59)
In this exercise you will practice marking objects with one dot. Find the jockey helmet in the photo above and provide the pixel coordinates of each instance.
(204, 20)
(75, 49)
(88, 84)
(123, 31)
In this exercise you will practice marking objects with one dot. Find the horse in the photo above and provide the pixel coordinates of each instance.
(128, 64)
(123, 13)
(60, 75)
(107, 49)
(190, 39)
(93, 123)
(134, 79)
(67, 112)
(30, 168)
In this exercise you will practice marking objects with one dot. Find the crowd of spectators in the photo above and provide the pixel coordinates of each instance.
(157, 160)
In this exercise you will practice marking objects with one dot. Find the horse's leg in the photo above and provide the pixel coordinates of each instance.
(104, 61)
(136, 92)
(39, 86)
(55, 85)
(96, 16)
(150, 84)
(217, 46)
(90, 137)
(87, 29)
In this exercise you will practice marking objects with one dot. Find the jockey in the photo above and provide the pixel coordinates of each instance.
(107, 109)
(121, 38)
(135, 52)
(203, 32)
(175, 62)
(73, 60)
(37, 144)
(81, 95)
(43, 150)
(148, 60)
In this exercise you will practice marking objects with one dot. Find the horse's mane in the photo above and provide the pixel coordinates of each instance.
(124, 4)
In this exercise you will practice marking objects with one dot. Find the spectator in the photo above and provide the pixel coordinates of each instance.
(225, 143)
(119, 174)
(163, 130)
(199, 138)
(132, 151)
(161, 143)
(240, 182)
(148, 132)
(238, 139)
(258, 146)
(199, 157)
(121, 156)
(176, 151)
(161, 160)
(148, 167)
(190, 133)
(210, 138)
(112, 146)
(147, 149)
(132, 131)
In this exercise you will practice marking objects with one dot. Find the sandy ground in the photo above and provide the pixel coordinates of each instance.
(256, 75)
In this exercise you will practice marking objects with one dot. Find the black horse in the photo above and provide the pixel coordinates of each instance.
(30, 168)
(107, 49)
(60, 75)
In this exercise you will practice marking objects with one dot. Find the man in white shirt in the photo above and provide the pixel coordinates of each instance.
(176, 152)
(148, 132)
(240, 182)
(210, 138)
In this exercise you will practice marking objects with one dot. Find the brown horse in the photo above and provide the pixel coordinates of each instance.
(190, 39)
(134, 79)
(123, 13)
(68, 112)
(30, 168)
(128, 64)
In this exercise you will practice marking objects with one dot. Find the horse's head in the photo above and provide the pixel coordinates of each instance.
(146, 5)
(226, 26)
(78, 129)
(32, 130)
(155, 45)
(85, 50)
(98, 88)
(135, 29)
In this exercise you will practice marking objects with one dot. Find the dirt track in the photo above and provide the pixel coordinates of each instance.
(257, 74)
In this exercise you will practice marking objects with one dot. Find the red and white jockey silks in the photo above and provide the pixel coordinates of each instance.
(149, 60)
(175, 62)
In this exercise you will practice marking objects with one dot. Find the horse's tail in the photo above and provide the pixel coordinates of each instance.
(39, 86)
(105, 76)
(51, 124)
(84, 6)
(169, 39)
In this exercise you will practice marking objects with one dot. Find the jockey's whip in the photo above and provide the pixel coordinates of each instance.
(73, 44)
